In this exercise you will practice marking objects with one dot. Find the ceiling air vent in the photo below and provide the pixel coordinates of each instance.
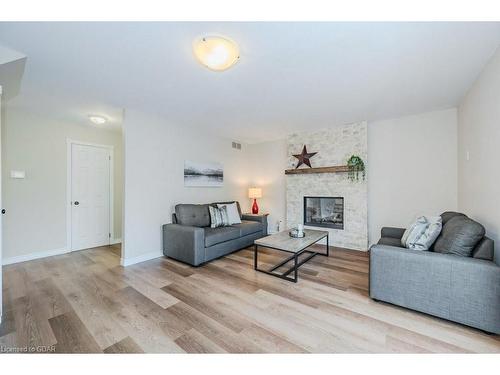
(236, 145)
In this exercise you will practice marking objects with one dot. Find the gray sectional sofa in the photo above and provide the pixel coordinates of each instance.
(190, 239)
(458, 288)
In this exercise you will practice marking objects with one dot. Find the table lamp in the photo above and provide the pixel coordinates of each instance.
(255, 193)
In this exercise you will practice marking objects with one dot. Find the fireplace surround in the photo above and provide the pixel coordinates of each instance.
(334, 146)
(326, 212)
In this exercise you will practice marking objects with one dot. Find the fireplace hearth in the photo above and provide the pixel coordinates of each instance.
(326, 212)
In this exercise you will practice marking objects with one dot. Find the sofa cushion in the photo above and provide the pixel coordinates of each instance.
(390, 241)
(485, 249)
(214, 236)
(248, 227)
(195, 215)
(445, 216)
(459, 236)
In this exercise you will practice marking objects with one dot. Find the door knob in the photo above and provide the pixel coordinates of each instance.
(3, 211)
(76, 203)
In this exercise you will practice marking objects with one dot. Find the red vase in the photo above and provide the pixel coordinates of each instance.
(255, 208)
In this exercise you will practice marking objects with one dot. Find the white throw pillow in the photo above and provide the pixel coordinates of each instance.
(427, 238)
(414, 231)
(422, 233)
(232, 213)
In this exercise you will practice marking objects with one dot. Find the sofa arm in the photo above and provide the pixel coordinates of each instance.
(260, 218)
(184, 243)
(392, 232)
(461, 289)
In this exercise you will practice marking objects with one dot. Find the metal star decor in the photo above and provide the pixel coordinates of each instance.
(304, 157)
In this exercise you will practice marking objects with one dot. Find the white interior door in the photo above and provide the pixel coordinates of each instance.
(90, 196)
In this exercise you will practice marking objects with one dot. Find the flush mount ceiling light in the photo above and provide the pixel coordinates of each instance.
(98, 120)
(216, 52)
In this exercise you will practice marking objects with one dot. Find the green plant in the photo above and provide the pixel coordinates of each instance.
(356, 165)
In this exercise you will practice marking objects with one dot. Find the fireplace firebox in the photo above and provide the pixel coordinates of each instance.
(327, 212)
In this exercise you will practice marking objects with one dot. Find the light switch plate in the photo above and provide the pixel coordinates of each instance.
(17, 174)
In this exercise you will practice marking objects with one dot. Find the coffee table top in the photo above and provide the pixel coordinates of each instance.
(283, 241)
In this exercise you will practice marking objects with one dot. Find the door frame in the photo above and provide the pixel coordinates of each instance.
(69, 202)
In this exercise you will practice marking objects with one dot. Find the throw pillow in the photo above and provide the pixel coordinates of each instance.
(425, 240)
(414, 231)
(232, 213)
(218, 217)
(460, 235)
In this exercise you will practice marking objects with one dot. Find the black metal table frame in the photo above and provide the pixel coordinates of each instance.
(294, 257)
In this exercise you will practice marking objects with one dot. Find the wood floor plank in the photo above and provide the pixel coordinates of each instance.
(125, 346)
(202, 303)
(143, 286)
(8, 324)
(222, 336)
(72, 336)
(32, 328)
(93, 303)
(194, 342)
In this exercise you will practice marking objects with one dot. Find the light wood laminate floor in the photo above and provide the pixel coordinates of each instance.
(86, 302)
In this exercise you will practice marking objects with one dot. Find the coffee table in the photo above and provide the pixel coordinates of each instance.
(297, 246)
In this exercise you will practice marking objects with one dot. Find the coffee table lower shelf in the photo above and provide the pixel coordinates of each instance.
(295, 258)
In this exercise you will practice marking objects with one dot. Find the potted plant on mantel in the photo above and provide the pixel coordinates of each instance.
(355, 165)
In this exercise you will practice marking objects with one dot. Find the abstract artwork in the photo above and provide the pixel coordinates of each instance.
(203, 174)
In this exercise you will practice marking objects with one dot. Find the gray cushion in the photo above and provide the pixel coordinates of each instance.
(392, 232)
(484, 249)
(195, 215)
(390, 241)
(445, 216)
(459, 236)
(248, 227)
(214, 236)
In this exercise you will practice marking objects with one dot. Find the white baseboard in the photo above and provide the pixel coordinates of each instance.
(141, 258)
(114, 241)
(32, 256)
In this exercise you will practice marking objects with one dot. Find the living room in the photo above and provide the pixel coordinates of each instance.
(250, 187)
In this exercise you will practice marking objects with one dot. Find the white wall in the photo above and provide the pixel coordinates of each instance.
(412, 168)
(154, 178)
(479, 135)
(267, 165)
(35, 222)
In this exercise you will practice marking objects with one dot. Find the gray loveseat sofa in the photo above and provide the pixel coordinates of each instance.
(190, 239)
(458, 288)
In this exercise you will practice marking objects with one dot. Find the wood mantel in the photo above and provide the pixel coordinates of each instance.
(335, 169)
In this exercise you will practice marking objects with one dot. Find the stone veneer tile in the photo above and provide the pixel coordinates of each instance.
(334, 146)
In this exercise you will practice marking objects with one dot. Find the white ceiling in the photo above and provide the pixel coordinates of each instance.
(291, 76)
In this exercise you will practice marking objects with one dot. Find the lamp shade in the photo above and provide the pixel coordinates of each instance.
(255, 193)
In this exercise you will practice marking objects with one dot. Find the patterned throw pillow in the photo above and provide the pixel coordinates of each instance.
(218, 217)
(422, 233)
(232, 212)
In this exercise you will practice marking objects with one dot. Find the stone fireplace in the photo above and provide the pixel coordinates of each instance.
(325, 212)
(334, 146)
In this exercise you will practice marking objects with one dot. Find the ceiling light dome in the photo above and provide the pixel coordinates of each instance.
(98, 120)
(216, 52)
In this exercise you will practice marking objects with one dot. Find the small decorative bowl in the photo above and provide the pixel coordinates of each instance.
(294, 233)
